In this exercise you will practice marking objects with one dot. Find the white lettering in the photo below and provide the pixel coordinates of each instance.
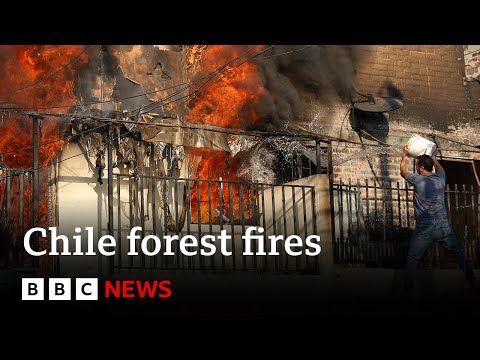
(26, 241)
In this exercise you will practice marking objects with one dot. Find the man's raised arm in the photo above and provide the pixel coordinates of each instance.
(403, 163)
(438, 168)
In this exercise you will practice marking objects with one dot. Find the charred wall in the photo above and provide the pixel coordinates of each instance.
(429, 80)
(472, 74)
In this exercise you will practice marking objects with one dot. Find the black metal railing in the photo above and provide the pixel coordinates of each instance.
(373, 224)
(16, 216)
(179, 206)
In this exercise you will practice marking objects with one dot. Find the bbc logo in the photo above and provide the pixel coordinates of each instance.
(60, 289)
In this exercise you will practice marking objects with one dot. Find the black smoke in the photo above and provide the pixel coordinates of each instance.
(294, 73)
(102, 64)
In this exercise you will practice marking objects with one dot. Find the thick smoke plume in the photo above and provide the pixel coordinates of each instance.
(323, 71)
(97, 78)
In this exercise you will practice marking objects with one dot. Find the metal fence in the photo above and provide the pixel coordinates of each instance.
(373, 224)
(179, 206)
(16, 216)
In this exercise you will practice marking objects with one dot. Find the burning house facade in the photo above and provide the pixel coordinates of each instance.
(158, 137)
(196, 139)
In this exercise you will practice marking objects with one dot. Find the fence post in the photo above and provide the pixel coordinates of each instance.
(330, 188)
(477, 220)
(110, 191)
(36, 183)
(318, 153)
(367, 232)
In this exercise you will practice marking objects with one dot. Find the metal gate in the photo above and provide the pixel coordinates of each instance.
(16, 216)
(179, 206)
(373, 224)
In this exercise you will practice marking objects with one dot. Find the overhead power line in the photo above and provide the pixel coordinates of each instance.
(153, 104)
(65, 159)
(49, 76)
(106, 101)
(189, 83)
(50, 142)
(210, 76)
(285, 53)
(213, 74)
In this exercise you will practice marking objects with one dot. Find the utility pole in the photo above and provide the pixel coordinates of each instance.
(110, 189)
(36, 182)
(318, 156)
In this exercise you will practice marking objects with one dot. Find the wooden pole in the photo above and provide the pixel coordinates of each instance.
(318, 153)
(110, 190)
(330, 183)
(36, 183)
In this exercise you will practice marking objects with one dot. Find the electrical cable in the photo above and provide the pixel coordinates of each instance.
(211, 75)
(190, 83)
(50, 142)
(105, 101)
(49, 76)
(374, 138)
(65, 159)
(350, 108)
(196, 92)
(285, 53)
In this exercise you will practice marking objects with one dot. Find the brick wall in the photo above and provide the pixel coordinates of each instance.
(429, 79)
(472, 72)
(426, 76)
(353, 162)
(472, 61)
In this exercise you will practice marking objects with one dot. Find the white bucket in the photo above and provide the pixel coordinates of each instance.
(419, 145)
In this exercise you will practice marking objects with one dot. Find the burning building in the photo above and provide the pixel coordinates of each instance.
(172, 139)
(195, 139)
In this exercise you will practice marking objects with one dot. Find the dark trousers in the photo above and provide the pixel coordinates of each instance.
(424, 234)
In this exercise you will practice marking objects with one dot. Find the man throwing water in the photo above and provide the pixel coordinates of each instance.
(430, 214)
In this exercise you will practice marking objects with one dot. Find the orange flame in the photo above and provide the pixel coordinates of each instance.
(229, 102)
(25, 66)
(33, 78)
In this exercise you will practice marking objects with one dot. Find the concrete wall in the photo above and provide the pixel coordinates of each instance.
(299, 216)
(82, 202)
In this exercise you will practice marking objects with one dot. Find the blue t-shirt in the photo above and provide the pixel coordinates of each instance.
(429, 198)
